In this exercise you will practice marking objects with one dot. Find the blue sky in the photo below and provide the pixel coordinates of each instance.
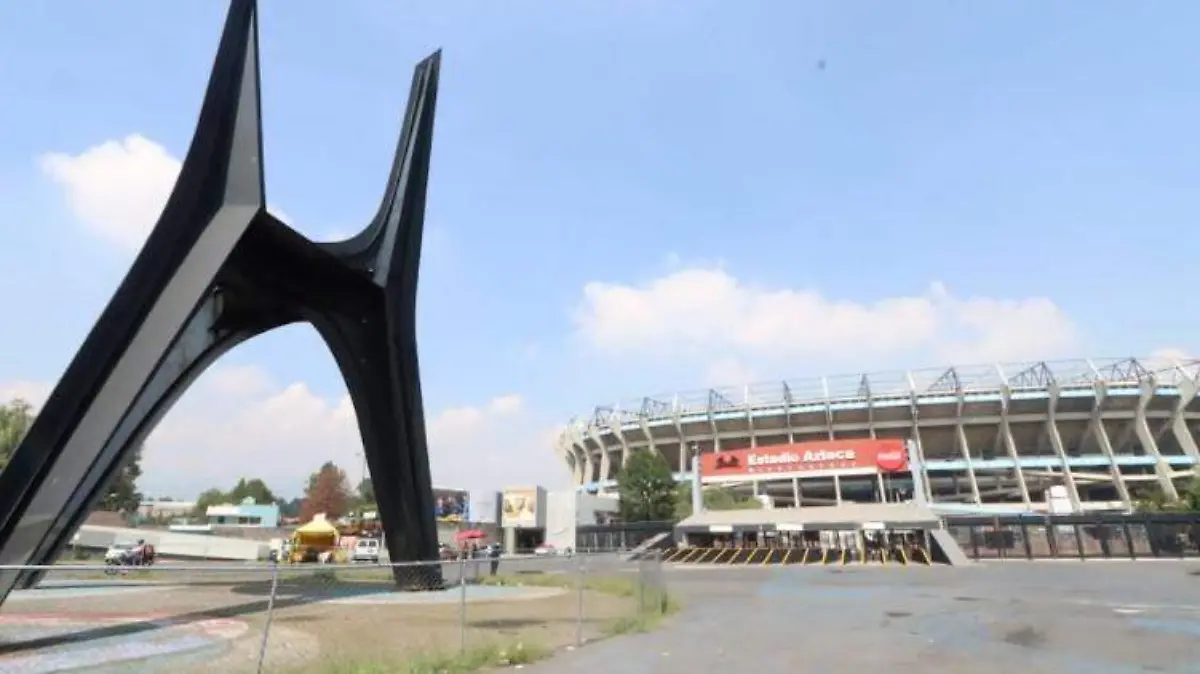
(627, 198)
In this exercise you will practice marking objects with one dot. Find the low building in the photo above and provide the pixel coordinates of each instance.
(244, 514)
(567, 511)
(160, 509)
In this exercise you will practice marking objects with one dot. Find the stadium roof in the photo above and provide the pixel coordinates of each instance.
(1040, 375)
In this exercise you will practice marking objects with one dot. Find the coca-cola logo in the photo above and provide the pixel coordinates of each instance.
(891, 460)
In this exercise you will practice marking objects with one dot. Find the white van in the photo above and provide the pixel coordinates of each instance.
(366, 550)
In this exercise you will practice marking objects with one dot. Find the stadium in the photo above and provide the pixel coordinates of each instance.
(1060, 437)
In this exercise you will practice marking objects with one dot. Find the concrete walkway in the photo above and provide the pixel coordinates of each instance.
(983, 619)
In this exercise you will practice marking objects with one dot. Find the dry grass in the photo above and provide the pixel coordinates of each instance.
(311, 634)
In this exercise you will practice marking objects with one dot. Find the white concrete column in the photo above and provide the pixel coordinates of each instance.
(870, 411)
(1010, 447)
(623, 441)
(787, 418)
(926, 482)
(796, 491)
(828, 409)
(837, 489)
(1100, 434)
(650, 444)
(683, 448)
(961, 434)
(606, 471)
(749, 418)
(916, 470)
(582, 461)
(1057, 443)
(1178, 426)
(1162, 469)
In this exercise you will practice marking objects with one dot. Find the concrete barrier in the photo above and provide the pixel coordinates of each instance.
(173, 544)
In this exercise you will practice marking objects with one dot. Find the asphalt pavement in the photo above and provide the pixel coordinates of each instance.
(1027, 617)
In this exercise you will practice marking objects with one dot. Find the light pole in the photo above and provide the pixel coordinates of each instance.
(362, 477)
(697, 494)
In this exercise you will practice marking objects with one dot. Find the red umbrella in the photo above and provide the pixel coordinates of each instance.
(470, 535)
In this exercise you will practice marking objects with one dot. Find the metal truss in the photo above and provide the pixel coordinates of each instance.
(904, 384)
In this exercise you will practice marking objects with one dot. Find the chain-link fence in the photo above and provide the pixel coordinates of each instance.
(255, 617)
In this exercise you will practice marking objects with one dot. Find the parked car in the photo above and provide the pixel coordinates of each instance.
(366, 550)
(128, 554)
(545, 550)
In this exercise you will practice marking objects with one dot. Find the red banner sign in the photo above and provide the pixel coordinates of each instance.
(888, 456)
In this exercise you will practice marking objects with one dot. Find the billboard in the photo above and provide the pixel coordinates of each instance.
(887, 456)
(450, 505)
(484, 507)
(521, 507)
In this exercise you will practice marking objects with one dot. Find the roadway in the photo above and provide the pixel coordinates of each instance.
(1031, 617)
(183, 571)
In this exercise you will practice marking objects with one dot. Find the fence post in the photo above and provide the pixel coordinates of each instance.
(579, 600)
(262, 650)
(462, 605)
(641, 586)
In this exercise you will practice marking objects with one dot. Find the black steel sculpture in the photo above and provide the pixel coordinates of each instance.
(217, 270)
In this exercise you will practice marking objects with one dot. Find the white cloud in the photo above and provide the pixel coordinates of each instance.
(709, 316)
(116, 189)
(32, 392)
(729, 371)
(506, 405)
(1168, 357)
(237, 422)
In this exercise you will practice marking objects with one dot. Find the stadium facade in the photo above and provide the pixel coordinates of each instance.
(1072, 436)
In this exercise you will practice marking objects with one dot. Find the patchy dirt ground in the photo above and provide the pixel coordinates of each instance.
(317, 624)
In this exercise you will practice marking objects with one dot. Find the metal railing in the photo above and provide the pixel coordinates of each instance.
(259, 617)
(1081, 537)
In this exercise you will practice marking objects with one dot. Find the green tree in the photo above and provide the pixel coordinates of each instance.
(715, 498)
(1151, 499)
(646, 488)
(16, 416)
(208, 498)
(290, 508)
(363, 498)
(253, 488)
(1191, 494)
(122, 495)
(366, 491)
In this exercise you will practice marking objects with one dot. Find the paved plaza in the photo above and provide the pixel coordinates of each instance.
(1095, 617)
(1010, 617)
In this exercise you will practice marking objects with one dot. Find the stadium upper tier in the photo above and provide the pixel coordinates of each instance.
(1135, 419)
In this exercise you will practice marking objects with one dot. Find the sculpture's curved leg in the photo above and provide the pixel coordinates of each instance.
(202, 341)
(216, 270)
(218, 194)
(384, 420)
